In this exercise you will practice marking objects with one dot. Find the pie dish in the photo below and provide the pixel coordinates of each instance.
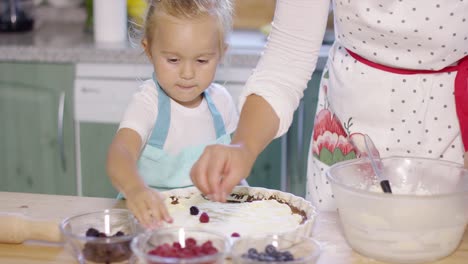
(250, 211)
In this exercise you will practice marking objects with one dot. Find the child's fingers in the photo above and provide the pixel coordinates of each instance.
(154, 205)
(157, 209)
(163, 210)
(214, 176)
(166, 216)
(228, 184)
(141, 213)
(160, 214)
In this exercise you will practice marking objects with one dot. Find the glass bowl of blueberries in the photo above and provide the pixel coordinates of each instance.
(180, 245)
(101, 237)
(275, 249)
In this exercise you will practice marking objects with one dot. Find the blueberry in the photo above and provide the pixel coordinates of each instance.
(261, 256)
(288, 256)
(280, 257)
(194, 210)
(119, 233)
(253, 256)
(270, 250)
(252, 251)
(91, 232)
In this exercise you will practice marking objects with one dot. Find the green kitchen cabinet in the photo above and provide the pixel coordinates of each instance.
(95, 139)
(37, 134)
(266, 171)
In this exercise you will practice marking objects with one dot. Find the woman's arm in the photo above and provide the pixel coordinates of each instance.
(290, 57)
(270, 98)
(221, 167)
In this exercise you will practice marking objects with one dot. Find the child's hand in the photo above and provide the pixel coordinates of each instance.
(148, 207)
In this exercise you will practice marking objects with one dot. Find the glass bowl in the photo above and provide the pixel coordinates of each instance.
(421, 221)
(101, 237)
(180, 245)
(275, 249)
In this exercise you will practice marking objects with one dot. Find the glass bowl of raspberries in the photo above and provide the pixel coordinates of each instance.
(180, 245)
(275, 249)
(101, 237)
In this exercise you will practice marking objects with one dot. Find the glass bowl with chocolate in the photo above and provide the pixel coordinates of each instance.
(102, 236)
(180, 245)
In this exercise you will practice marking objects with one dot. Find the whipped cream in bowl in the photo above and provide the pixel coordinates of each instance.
(423, 220)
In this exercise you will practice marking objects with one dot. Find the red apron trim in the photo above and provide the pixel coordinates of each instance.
(461, 87)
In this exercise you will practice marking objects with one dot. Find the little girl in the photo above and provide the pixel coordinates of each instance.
(179, 111)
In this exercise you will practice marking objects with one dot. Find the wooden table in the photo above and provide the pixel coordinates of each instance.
(55, 208)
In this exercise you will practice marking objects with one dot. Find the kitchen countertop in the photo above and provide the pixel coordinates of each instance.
(69, 43)
(60, 37)
(55, 208)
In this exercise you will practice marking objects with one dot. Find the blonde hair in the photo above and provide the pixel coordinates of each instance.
(222, 10)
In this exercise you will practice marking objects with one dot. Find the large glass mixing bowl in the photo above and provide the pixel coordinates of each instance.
(423, 220)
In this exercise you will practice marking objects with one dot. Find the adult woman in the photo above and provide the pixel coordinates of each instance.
(392, 74)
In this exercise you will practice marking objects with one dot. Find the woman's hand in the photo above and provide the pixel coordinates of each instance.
(148, 207)
(220, 168)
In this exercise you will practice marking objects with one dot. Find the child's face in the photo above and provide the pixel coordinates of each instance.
(185, 54)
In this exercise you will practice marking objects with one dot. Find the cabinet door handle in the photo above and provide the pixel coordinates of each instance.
(87, 90)
(61, 144)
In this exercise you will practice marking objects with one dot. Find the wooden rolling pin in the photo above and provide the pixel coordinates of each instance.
(17, 228)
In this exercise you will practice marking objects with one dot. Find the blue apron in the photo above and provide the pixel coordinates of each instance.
(162, 170)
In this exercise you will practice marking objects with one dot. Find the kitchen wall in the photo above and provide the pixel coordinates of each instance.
(253, 14)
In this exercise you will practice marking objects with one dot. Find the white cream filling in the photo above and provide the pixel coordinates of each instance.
(247, 218)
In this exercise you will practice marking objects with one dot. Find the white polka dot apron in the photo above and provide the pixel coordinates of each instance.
(405, 115)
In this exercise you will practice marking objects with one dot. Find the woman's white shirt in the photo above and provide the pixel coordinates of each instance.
(397, 33)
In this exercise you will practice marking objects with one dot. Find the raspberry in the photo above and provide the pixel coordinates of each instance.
(194, 210)
(198, 251)
(208, 249)
(190, 242)
(190, 250)
(208, 244)
(235, 234)
(204, 218)
(176, 245)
